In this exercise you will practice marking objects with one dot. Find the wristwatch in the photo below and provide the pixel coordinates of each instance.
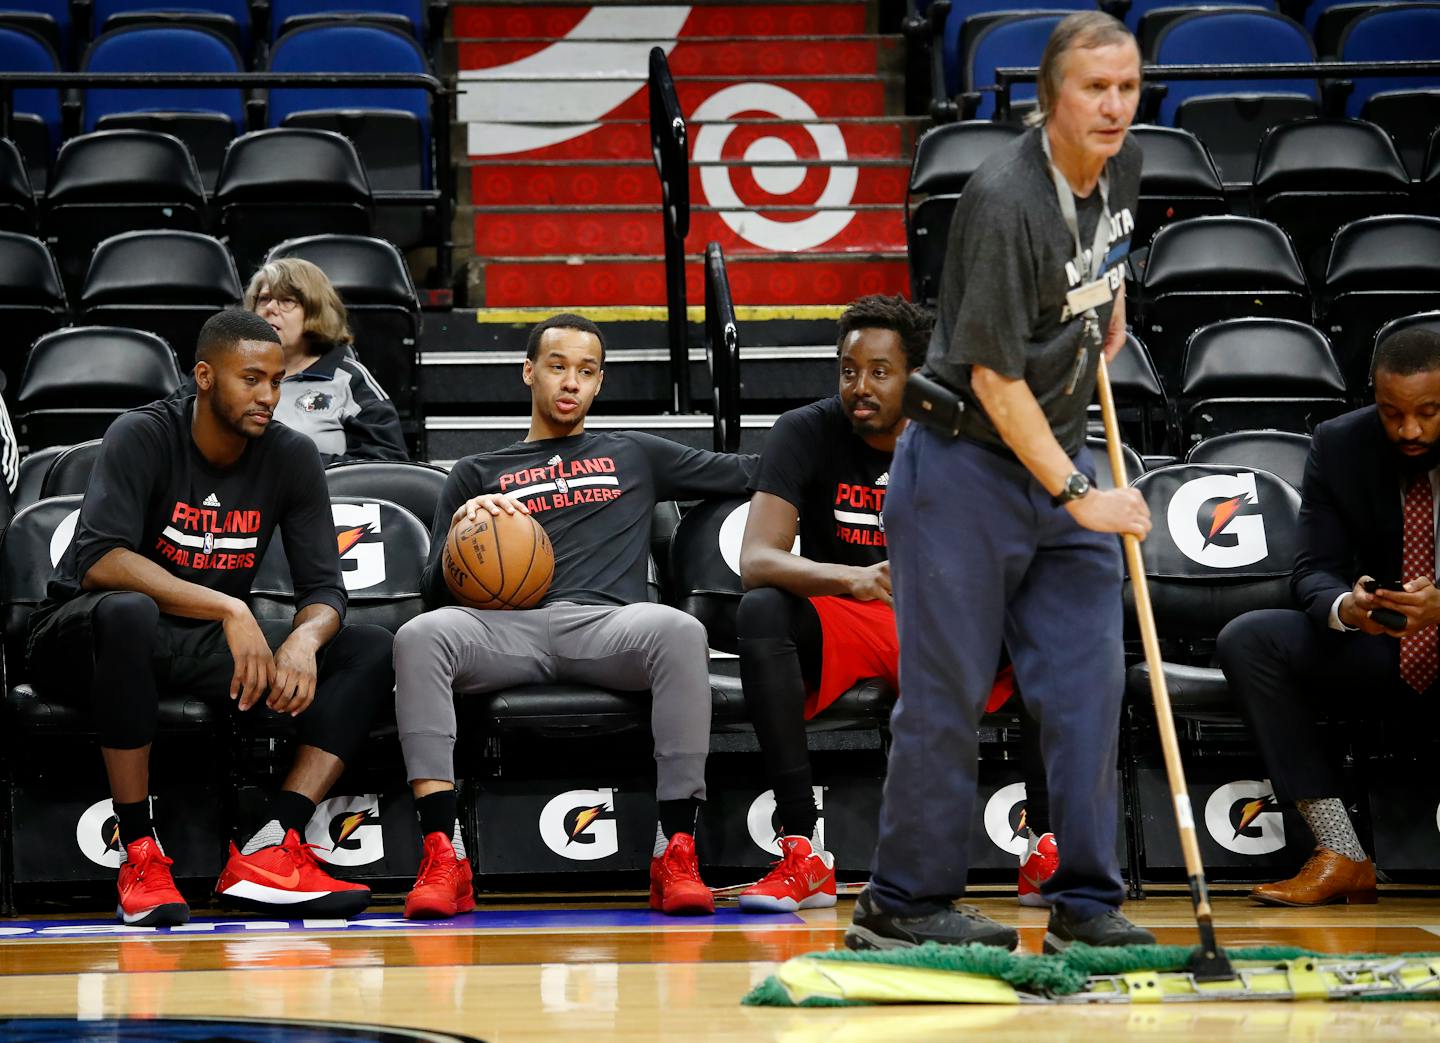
(1076, 486)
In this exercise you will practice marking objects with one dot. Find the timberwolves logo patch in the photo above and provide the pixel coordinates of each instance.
(315, 401)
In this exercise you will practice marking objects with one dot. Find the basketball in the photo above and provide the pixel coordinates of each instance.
(498, 561)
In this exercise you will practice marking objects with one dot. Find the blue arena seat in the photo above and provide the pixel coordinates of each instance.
(229, 18)
(288, 14)
(394, 137)
(35, 118)
(146, 49)
(1406, 106)
(1147, 19)
(967, 18)
(1017, 41)
(1231, 116)
(47, 19)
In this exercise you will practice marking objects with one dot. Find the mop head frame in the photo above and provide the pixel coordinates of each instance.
(982, 974)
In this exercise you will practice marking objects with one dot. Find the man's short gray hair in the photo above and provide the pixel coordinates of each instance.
(1082, 29)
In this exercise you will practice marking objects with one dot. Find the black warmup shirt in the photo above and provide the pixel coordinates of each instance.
(152, 492)
(814, 460)
(594, 494)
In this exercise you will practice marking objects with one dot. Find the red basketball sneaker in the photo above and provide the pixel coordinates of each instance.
(147, 890)
(445, 885)
(675, 884)
(802, 879)
(1037, 865)
(286, 878)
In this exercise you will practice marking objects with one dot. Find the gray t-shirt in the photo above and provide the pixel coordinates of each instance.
(1003, 289)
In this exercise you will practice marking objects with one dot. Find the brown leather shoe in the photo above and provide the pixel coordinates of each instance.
(1327, 877)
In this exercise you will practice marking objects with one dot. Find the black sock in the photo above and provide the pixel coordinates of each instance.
(795, 803)
(678, 816)
(437, 812)
(292, 810)
(1032, 765)
(134, 821)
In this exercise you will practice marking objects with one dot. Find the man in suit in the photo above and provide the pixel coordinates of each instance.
(1367, 544)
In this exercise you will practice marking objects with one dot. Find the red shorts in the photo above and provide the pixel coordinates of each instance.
(860, 643)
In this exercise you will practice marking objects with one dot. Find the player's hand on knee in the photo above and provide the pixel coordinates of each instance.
(490, 503)
(1112, 510)
(872, 583)
(254, 665)
(295, 678)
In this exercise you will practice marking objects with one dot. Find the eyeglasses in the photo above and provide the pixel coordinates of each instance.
(285, 304)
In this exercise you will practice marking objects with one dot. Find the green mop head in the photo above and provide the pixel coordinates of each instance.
(1127, 974)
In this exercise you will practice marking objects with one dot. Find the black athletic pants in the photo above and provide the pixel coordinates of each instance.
(115, 652)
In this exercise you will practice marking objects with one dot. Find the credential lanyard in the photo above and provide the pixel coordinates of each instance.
(1065, 196)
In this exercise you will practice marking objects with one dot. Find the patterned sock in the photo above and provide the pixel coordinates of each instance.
(661, 841)
(268, 835)
(1329, 821)
(458, 842)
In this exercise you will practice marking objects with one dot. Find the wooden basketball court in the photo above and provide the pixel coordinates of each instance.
(605, 969)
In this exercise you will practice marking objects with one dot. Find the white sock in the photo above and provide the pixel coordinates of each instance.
(661, 841)
(458, 842)
(268, 835)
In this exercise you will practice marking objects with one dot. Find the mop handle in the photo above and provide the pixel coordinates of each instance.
(1169, 743)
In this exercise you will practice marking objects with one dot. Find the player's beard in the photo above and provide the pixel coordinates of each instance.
(231, 414)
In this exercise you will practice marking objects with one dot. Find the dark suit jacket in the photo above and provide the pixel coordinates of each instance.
(1350, 511)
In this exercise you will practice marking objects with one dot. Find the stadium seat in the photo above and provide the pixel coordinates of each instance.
(1015, 41)
(967, 19)
(1104, 474)
(1147, 19)
(69, 473)
(279, 184)
(227, 18)
(17, 198)
(79, 379)
(47, 19)
(1381, 268)
(373, 280)
(1177, 180)
(1231, 116)
(1408, 107)
(32, 300)
(1210, 268)
(1313, 176)
(1426, 320)
(1282, 453)
(206, 134)
(200, 117)
(1430, 175)
(1249, 374)
(1140, 399)
(33, 469)
(945, 157)
(414, 486)
(290, 14)
(35, 117)
(115, 181)
(1327, 21)
(168, 283)
(383, 549)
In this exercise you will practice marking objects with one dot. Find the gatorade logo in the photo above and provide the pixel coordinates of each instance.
(1215, 521)
(1242, 817)
(97, 834)
(579, 824)
(1005, 818)
(361, 547)
(764, 824)
(732, 531)
(61, 537)
(346, 830)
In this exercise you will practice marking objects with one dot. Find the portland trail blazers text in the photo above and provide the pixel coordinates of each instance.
(209, 538)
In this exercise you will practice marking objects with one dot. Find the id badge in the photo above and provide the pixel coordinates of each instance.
(1090, 295)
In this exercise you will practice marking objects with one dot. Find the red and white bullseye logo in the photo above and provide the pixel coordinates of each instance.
(738, 191)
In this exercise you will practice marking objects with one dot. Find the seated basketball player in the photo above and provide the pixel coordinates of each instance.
(152, 596)
(595, 625)
(814, 624)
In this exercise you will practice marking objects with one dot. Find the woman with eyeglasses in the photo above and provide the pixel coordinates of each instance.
(327, 393)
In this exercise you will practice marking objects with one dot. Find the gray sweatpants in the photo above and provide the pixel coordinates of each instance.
(632, 648)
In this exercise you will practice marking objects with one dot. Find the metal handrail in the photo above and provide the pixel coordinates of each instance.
(722, 351)
(669, 147)
(443, 194)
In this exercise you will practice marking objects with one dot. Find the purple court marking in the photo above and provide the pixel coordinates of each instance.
(533, 919)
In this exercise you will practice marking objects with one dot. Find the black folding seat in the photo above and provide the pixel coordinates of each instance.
(1381, 268)
(69, 473)
(17, 198)
(383, 548)
(1140, 400)
(168, 283)
(1104, 474)
(77, 380)
(1313, 176)
(414, 486)
(374, 281)
(1211, 268)
(34, 467)
(32, 301)
(1281, 453)
(1249, 374)
(945, 157)
(1178, 180)
(279, 184)
(1426, 320)
(115, 181)
(1429, 187)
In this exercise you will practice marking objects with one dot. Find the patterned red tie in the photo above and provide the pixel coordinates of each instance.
(1419, 657)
